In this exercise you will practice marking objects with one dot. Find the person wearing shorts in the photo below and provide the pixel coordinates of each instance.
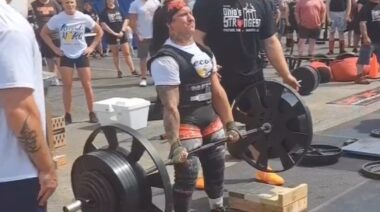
(291, 25)
(141, 18)
(357, 34)
(338, 13)
(114, 23)
(89, 10)
(74, 52)
(310, 16)
(369, 20)
(284, 15)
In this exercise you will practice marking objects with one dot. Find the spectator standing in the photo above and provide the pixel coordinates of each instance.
(351, 23)
(235, 41)
(291, 26)
(338, 13)
(369, 21)
(141, 18)
(310, 16)
(27, 177)
(284, 18)
(88, 10)
(43, 10)
(114, 23)
(357, 34)
(74, 52)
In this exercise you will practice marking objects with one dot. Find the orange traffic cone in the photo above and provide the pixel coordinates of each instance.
(373, 68)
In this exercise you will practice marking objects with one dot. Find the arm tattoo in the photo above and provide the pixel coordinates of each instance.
(28, 138)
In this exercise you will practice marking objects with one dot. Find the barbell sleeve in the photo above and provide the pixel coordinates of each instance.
(72, 207)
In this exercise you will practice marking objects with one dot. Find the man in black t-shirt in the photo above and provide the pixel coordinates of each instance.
(369, 21)
(115, 26)
(233, 29)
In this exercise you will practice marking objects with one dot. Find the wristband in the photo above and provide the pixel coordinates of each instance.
(231, 125)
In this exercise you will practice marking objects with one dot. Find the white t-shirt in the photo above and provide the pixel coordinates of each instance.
(144, 11)
(71, 30)
(165, 70)
(20, 67)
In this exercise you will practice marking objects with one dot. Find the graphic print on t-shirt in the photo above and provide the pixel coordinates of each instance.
(240, 20)
(72, 32)
(115, 17)
(202, 64)
(375, 14)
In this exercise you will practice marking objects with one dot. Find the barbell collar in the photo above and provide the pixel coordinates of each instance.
(72, 207)
(265, 128)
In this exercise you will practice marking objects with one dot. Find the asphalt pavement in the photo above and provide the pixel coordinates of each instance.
(107, 85)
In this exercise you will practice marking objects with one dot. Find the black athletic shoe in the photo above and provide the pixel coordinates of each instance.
(220, 209)
(119, 74)
(68, 119)
(135, 74)
(93, 118)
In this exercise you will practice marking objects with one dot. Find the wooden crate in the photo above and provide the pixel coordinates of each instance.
(258, 197)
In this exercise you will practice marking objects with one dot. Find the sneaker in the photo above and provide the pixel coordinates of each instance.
(362, 80)
(143, 83)
(135, 74)
(93, 118)
(330, 52)
(56, 82)
(269, 178)
(200, 183)
(220, 209)
(355, 50)
(119, 74)
(68, 119)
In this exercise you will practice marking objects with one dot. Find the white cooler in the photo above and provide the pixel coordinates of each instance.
(132, 112)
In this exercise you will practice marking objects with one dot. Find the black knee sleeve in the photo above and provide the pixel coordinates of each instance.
(213, 171)
(184, 183)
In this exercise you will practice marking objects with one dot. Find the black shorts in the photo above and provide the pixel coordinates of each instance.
(112, 40)
(308, 33)
(80, 62)
(45, 50)
(20, 195)
(291, 28)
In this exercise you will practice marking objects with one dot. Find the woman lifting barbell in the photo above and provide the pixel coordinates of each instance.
(195, 106)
